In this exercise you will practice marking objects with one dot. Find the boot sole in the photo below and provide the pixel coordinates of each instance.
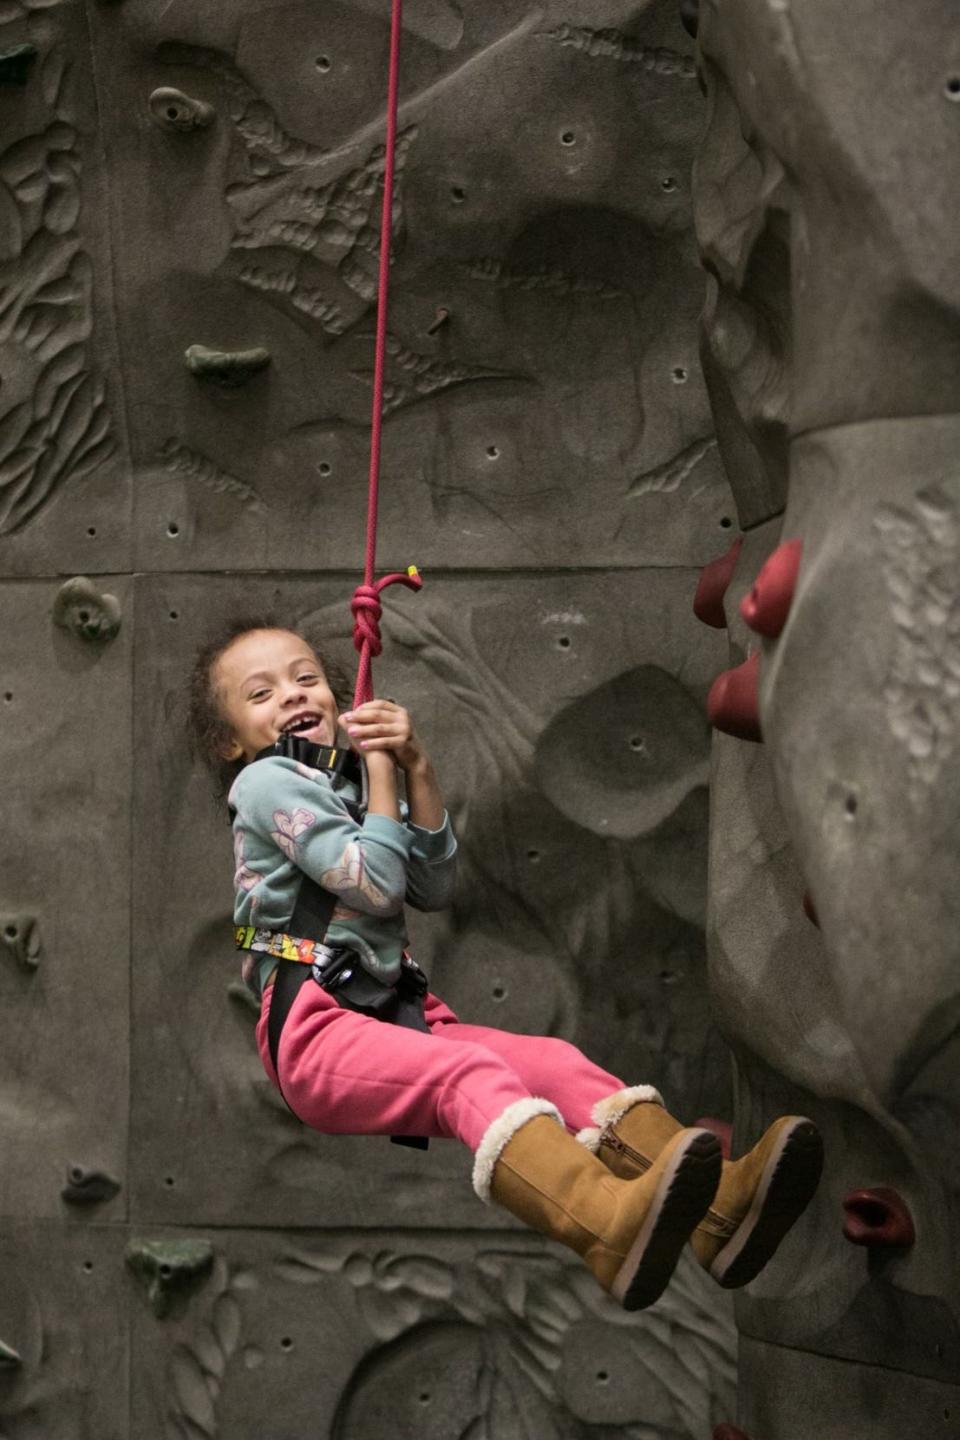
(787, 1185)
(682, 1198)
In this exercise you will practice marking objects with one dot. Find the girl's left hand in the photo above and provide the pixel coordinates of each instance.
(384, 725)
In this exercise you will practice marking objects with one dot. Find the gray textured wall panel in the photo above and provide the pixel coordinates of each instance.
(64, 489)
(64, 1331)
(428, 1336)
(64, 893)
(557, 418)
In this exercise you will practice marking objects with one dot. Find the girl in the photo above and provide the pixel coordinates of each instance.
(324, 863)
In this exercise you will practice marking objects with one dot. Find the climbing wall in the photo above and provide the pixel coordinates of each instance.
(188, 246)
(823, 194)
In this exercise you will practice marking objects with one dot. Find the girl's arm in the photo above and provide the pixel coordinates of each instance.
(385, 728)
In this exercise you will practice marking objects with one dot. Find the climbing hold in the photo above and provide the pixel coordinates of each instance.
(82, 609)
(176, 111)
(169, 1269)
(226, 367)
(10, 1359)
(878, 1218)
(732, 704)
(690, 20)
(16, 64)
(88, 1187)
(713, 585)
(439, 320)
(766, 607)
(20, 934)
(810, 909)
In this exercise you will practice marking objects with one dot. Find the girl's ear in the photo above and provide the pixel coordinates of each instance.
(231, 749)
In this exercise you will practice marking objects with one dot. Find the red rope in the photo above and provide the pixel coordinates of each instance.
(365, 605)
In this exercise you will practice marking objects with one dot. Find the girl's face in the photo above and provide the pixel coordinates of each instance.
(268, 682)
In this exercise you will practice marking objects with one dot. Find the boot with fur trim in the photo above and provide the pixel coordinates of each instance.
(630, 1233)
(759, 1196)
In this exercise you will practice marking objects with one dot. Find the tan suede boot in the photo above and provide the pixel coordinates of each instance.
(630, 1233)
(759, 1196)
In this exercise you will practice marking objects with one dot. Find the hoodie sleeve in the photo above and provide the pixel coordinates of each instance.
(297, 810)
(432, 870)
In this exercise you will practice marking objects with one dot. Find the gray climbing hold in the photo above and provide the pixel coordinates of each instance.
(88, 1187)
(20, 935)
(174, 110)
(226, 367)
(169, 1269)
(16, 64)
(82, 609)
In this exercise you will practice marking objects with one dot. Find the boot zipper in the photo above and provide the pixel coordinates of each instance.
(613, 1142)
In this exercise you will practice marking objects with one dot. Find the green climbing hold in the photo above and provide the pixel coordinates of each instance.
(226, 367)
(169, 1270)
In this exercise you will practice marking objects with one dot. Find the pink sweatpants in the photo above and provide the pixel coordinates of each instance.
(346, 1074)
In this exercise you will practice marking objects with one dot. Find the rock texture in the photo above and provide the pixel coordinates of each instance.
(822, 199)
(188, 245)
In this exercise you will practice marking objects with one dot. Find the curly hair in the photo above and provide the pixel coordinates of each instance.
(207, 727)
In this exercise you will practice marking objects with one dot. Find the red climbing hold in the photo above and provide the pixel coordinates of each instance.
(732, 703)
(810, 909)
(767, 606)
(877, 1218)
(713, 585)
(729, 1432)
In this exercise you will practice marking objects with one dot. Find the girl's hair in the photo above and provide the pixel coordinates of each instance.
(207, 727)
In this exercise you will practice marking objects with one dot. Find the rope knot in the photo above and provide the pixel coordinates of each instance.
(366, 609)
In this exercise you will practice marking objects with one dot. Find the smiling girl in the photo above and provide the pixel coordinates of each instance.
(326, 858)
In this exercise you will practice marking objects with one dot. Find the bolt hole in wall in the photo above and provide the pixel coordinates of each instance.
(324, 468)
(725, 522)
(457, 194)
(174, 614)
(668, 183)
(322, 63)
(169, 1182)
(286, 1343)
(563, 642)
(603, 1377)
(8, 696)
(679, 375)
(87, 1266)
(424, 1397)
(533, 856)
(173, 529)
(91, 531)
(499, 992)
(851, 805)
(568, 138)
(493, 452)
(952, 88)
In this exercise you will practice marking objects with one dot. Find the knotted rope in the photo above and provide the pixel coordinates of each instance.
(365, 604)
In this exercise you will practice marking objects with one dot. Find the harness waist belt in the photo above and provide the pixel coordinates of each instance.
(281, 945)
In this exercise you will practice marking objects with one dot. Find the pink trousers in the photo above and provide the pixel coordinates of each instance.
(346, 1074)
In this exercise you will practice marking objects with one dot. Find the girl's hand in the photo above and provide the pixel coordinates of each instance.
(384, 725)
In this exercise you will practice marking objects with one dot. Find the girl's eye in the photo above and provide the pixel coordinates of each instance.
(259, 695)
(308, 677)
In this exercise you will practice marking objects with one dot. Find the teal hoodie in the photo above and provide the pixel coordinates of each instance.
(290, 821)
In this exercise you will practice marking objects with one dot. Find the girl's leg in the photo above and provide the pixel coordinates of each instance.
(346, 1074)
(547, 1066)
